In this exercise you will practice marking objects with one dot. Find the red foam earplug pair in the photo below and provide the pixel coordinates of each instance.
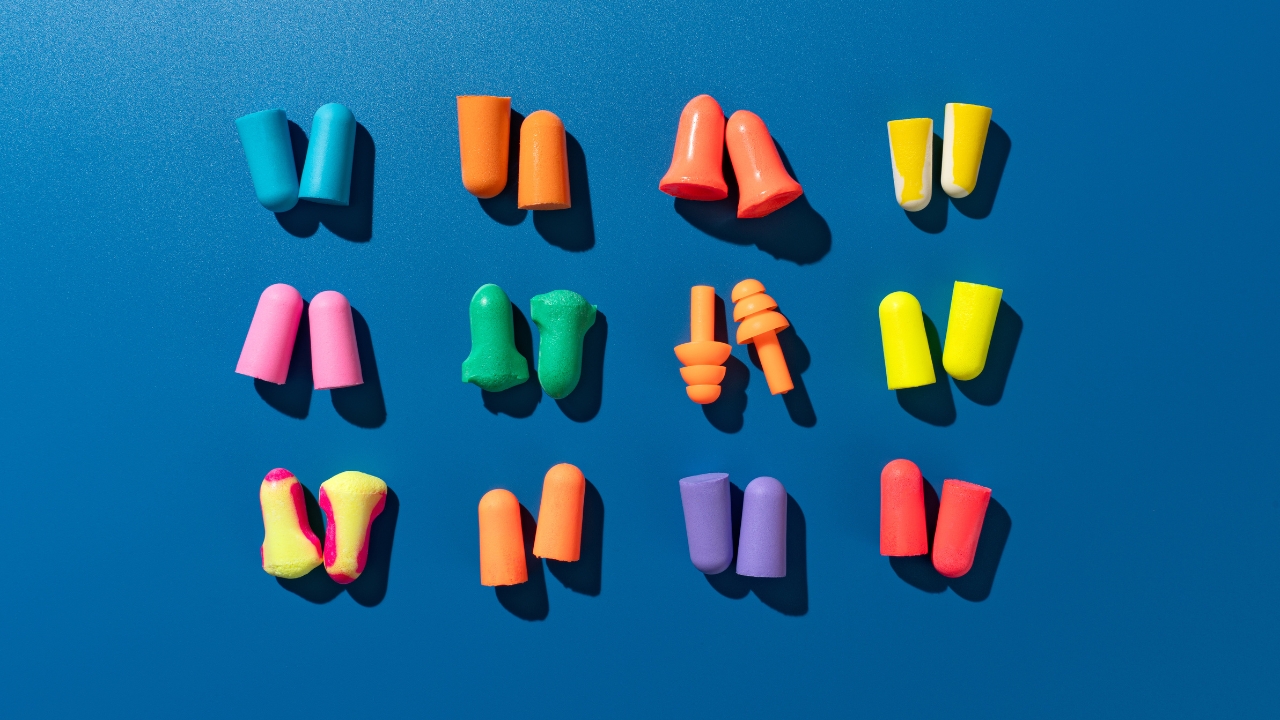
(904, 531)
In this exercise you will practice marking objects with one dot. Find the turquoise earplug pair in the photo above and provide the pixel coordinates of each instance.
(326, 174)
(563, 318)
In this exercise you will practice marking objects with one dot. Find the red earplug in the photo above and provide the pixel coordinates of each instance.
(960, 514)
(902, 525)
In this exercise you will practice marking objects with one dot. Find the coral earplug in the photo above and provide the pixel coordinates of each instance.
(350, 501)
(902, 519)
(501, 540)
(764, 185)
(760, 323)
(289, 548)
(702, 356)
(960, 515)
(697, 164)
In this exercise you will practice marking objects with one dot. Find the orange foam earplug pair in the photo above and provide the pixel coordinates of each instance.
(484, 128)
(559, 532)
(764, 185)
(702, 356)
(760, 323)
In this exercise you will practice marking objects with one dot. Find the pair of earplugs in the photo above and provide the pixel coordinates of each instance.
(335, 358)
(907, 360)
(708, 521)
(350, 501)
(563, 318)
(911, 154)
(904, 530)
(697, 173)
(559, 533)
(484, 130)
(326, 173)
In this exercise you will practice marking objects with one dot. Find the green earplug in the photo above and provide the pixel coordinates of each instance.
(494, 363)
(563, 318)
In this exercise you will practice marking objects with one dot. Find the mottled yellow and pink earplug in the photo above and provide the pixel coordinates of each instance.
(350, 501)
(289, 548)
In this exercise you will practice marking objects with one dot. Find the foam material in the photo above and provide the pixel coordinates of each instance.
(501, 540)
(907, 361)
(265, 138)
(289, 548)
(963, 140)
(494, 363)
(969, 327)
(703, 356)
(335, 359)
(764, 185)
(961, 511)
(326, 174)
(697, 167)
(762, 541)
(563, 318)
(559, 534)
(902, 525)
(911, 155)
(760, 324)
(484, 131)
(544, 164)
(708, 521)
(269, 344)
(350, 501)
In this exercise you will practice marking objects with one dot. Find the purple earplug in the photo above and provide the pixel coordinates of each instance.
(762, 543)
(708, 519)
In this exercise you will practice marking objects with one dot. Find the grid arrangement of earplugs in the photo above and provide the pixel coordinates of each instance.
(351, 501)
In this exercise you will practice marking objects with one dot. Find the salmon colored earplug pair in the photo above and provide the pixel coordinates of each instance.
(907, 360)
(335, 360)
(696, 172)
(904, 531)
(484, 129)
(350, 501)
(911, 154)
(559, 533)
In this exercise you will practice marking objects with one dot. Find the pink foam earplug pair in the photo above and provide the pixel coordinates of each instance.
(903, 530)
(335, 361)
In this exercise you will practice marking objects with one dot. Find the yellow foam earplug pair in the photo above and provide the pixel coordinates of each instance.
(911, 154)
(907, 360)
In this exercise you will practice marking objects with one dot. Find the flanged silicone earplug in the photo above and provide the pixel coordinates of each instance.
(484, 132)
(494, 363)
(764, 184)
(708, 521)
(269, 344)
(559, 533)
(697, 167)
(702, 355)
(961, 511)
(289, 548)
(902, 523)
(563, 318)
(265, 137)
(762, 541)
(760, 324)
(963, 139)
(501, 540)
(351, 501)
(326, 175)
(335, 359)
(911, 155)
(544, 164)
(972, 320)
(907, 362)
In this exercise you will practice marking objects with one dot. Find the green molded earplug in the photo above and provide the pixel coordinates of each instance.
(494, 363)
(563, 318)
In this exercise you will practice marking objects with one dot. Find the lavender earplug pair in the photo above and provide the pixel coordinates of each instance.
(708, 519)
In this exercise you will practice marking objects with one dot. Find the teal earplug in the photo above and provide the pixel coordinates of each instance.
(494, 363)
(563, 318)
(265, 137)
(326, 175)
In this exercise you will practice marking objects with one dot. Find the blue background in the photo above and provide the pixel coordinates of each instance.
(1130, 448)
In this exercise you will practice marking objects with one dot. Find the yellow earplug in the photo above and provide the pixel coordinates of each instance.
(964, 137)
(907, 362)
(973, 318)
(911, 155)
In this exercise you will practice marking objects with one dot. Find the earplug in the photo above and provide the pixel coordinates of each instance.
(969, 327)
(563, 318)
(762, 541)
(708, 521)
(289, 548)
(902, 523)
(559, 534)
(501, 540)
(544, 164)
(764, 185)
(911, 155)
(697, 167)
(269, 151)
(494, 363)
(760, 323)
(335, 356)
(269, 344)
(350, 501)
(907, 362)
(484, 132)
(961, 511)
(326, 174)
(702, 356)
(963, 140)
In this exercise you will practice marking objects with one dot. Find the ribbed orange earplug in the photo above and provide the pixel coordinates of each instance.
(702, 356)
(760, 324)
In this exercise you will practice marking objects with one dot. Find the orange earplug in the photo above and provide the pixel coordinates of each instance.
(501, 541)
(760, 324)
(697, 169)
(484, 128)
(702, 356)
(544, 163)
(763, 182)
(559, 535)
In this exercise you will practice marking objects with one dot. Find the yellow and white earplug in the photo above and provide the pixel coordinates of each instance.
(964, 137)
(911, 154)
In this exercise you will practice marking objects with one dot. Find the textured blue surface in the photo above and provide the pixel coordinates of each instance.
(1132, 449)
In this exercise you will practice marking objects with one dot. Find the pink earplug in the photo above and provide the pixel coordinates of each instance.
(335, 361)
(269, 344)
